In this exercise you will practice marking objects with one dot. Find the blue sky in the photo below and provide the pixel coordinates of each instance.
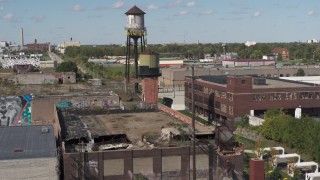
(167, 21)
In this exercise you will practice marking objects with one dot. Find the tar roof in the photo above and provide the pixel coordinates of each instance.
(134, 10)
(27, 142)
(215, 79)
(270, 82)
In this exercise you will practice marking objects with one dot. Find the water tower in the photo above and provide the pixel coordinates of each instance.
(135, 31)
(149, 71)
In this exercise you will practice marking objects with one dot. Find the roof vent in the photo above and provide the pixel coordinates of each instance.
(44, 130)
(259, 81)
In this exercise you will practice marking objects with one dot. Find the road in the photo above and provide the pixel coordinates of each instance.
(55, 57)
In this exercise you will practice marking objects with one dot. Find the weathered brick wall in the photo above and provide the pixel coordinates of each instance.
(157, 163)
(177, 114)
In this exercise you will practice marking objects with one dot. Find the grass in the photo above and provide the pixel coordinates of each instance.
(187, 113)
(117, 69)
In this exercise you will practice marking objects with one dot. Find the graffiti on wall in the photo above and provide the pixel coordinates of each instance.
(86, 103)
(15, 110)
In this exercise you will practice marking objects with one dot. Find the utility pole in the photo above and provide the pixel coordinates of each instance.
(193, 129)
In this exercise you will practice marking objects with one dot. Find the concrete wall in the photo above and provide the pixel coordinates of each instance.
(85, 102)
(35, 169)
(164, 163)
(50, 78)
(48, 64)
(255, 121)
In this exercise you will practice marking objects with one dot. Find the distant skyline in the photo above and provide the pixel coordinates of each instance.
(167, 21)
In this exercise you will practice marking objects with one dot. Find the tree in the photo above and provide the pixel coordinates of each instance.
(279, 57)
(67, 66)
(300, 72)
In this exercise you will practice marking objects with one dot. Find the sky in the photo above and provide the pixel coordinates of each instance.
(167, 21)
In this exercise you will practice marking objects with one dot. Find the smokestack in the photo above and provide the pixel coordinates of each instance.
(22, 38)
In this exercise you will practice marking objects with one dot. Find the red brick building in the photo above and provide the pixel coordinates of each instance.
(281, 51)
(228, 98)
(38, 47)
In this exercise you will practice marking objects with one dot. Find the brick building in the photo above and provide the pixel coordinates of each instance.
(38, 47)
(119, 146)
(228, 98)
(283, 52)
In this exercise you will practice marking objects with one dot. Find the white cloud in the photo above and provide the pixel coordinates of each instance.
(1, 8)
(152, 7)
(8, 17)
(117, 5)
(182, 13)
(174, 4)
(37, 18)
(191, 4)
(257, 13)
(77, 8)
(312, 13)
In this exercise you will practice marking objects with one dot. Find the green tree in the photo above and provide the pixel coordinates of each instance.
(279, 57)
(67, 66)
(300, 72)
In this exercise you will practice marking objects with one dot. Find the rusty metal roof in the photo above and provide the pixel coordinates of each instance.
(134, 10)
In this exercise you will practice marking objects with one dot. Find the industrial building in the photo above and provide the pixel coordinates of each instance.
(247, 62)
(154, 145)
(228, 98)
(46, 78)
(28, 152)
(175, 76)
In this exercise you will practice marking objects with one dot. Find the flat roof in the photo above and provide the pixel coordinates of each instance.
(18, 142)
(281, 83)
(270, 82)
(134, 125)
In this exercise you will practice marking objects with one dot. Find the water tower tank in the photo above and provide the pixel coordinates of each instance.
(149, 64)
(135, 18)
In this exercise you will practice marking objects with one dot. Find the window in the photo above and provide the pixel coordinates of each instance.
(243, 81)
(259, 97)
(231, 110)
(217, 93)
(230, 96)
(223, 95)
(224, 108)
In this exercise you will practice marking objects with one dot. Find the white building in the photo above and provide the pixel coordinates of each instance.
(269, 57)
(250, 43)
(313, 41)
(3, 44)
(61, 47)
(306, 79)
(246, 62)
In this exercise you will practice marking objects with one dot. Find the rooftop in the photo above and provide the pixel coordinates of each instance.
(27, 142)
(134, 10)
(270, 82)
(132, 126)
